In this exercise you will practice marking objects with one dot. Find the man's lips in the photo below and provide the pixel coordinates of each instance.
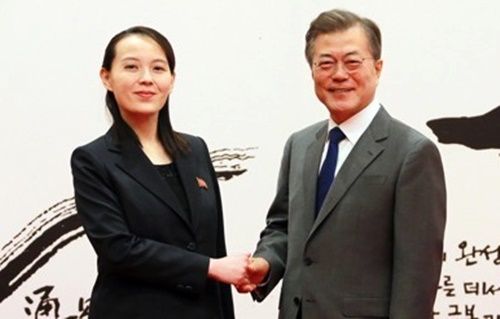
(340, 90)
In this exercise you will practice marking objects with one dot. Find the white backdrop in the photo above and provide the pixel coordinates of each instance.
(242, 81)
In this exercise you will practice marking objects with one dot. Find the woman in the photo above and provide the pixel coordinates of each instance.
(148, 197)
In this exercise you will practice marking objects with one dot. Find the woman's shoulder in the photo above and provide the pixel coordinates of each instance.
(97, 146)
(194, 142)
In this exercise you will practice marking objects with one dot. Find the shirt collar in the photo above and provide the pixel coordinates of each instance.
(356, 125)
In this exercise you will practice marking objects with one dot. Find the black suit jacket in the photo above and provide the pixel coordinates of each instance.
(152, 258)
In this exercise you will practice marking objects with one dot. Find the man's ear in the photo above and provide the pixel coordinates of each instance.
(379, 64)
(105, 78)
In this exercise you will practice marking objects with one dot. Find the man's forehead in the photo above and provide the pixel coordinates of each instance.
(346, 42)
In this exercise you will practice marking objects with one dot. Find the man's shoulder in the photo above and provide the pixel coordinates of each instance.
(310, 130)
(397, 133)
(407, 132)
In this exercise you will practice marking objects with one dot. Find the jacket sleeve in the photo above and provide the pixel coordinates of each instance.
(419, 223)
(119, 251)
(272, 245)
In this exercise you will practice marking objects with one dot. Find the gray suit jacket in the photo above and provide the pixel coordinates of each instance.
(375, 249)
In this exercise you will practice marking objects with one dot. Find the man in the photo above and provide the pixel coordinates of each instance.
(372, 248)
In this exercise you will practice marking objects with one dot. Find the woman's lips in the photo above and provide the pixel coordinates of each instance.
(144, 94)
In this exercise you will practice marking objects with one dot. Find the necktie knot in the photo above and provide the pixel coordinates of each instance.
(336, 135)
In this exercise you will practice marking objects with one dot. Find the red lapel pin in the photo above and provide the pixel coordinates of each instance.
(201, 183)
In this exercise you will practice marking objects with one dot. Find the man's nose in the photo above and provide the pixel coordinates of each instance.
(340, 72)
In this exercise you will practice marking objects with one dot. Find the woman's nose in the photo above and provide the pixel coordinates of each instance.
(146, 77)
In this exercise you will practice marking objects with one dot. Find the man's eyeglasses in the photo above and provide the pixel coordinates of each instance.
(331, 66)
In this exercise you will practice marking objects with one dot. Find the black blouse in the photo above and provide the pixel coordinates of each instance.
(170, 175)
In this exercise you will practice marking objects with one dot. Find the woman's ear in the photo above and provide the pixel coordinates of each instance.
(105, 78)
(171, 84)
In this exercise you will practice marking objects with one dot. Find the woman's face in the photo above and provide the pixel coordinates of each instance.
(140, 77)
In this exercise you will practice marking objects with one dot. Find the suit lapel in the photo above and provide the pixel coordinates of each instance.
(137, 165)
(312, 159)
(186, 166)
(362, 155)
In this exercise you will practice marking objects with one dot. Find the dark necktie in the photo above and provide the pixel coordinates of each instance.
(327, 172)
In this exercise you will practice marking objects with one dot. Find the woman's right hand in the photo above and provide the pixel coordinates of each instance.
(229, 269)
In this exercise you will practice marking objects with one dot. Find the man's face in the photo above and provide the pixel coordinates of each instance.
(344, 72)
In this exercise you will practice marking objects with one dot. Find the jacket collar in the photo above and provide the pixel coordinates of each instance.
(137, 165)
(366, 150)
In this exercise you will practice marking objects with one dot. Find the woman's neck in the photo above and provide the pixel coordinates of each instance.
(146, 129)
(144, 126)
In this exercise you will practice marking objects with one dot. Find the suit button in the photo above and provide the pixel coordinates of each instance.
(308, 261)
(184, 287)
(296, 300)
(191, 246)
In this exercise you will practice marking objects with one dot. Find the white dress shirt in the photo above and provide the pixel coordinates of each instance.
(352, 128)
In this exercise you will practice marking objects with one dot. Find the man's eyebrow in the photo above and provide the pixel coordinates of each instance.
(328, 55)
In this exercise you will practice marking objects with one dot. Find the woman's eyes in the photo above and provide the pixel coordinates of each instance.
(134, 67)
(160, 68)
(131, 67)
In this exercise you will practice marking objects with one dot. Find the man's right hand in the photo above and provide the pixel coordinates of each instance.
(257, 272)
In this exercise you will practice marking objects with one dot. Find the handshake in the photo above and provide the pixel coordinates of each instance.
(241, 270)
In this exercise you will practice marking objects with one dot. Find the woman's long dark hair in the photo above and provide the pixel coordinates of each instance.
(172, 141)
